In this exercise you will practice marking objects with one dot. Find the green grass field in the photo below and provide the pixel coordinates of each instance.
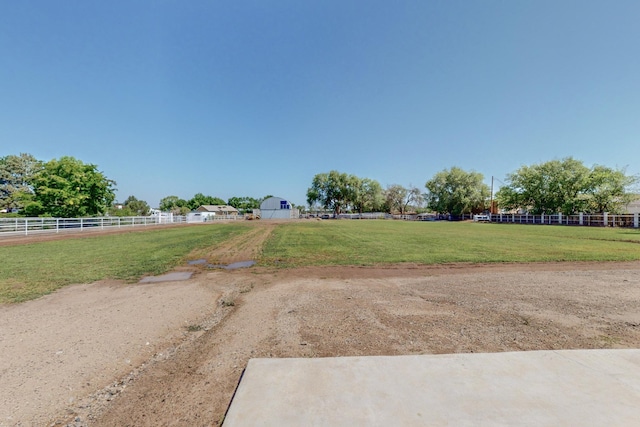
(388, 242)
(32, 270)
(28, 271)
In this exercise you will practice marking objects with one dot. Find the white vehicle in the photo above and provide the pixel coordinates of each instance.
(482, 218)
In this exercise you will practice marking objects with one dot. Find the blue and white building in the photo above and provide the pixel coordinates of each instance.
(277, 208)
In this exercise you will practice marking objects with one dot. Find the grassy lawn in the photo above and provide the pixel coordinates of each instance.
(32, 270)
(385, 242)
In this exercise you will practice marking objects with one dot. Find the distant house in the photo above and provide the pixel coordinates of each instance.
(633, 207)
(218, 211)
(277, 208)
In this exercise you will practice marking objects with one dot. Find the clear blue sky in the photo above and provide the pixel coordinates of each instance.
(249, 98)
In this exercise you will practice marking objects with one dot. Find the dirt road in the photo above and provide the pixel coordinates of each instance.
(108, 354)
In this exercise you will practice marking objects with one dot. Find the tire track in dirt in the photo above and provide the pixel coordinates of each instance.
(244, 247)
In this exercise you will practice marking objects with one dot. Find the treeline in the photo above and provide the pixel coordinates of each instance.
(559, 186)
(567, 186)
(179, 206)
(452, 191)
(67, 187)
(64, 187)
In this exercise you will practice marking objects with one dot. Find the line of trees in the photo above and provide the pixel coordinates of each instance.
(341, 192)
(64, 187)
(131, 207)
(179, 206)
(452, 191)
(67, 187)
(567, 186)
(559, 186)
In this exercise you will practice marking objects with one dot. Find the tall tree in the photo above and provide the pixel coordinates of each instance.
(333, 190)
(609, 190)
(136, 207)
(16, 180)
(200, 199)
(67, 187)
(369, 196)
(399, 198)
(565, 186)
(174, 204)
(395, 196)
(414, 198)
(546, 188)
(456, 192)
(244, 204)
(168, 203)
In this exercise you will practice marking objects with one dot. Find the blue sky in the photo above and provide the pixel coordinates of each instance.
(249, 98)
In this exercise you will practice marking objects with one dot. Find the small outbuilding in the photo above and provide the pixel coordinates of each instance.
(218, 211)
(277, 208)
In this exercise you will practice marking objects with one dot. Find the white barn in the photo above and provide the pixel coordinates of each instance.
(277, 208)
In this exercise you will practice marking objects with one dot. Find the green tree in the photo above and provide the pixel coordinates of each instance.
(200, 199)
(400, 199)
(565, 186)
(174, 204)
(368, 196)
(608, 190)
(457, 192)
(395, 195)
(333, 190)
(16, 180)
(118, 209)
(67, 187)
(546, 188)
(168, 203)
(136, 207)
(244, 204)
(414, 199)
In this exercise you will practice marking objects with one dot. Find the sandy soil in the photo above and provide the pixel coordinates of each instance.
(109, 354)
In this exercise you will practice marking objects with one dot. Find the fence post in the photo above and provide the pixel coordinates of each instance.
(635, 220)
(560, 218)
(81, 224)
(26, 226)
(581, 218)
(605, 219)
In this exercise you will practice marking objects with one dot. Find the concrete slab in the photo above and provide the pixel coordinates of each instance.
(169, 277)
(537, 388)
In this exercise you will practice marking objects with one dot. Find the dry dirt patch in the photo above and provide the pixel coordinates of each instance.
(244, 247)
(310, 312)
(60, 348)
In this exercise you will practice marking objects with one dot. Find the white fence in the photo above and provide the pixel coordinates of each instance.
(597, 220)
(592, 220)
(28, 226)
(366, 215)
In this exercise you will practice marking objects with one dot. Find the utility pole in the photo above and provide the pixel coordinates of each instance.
(491, 200)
